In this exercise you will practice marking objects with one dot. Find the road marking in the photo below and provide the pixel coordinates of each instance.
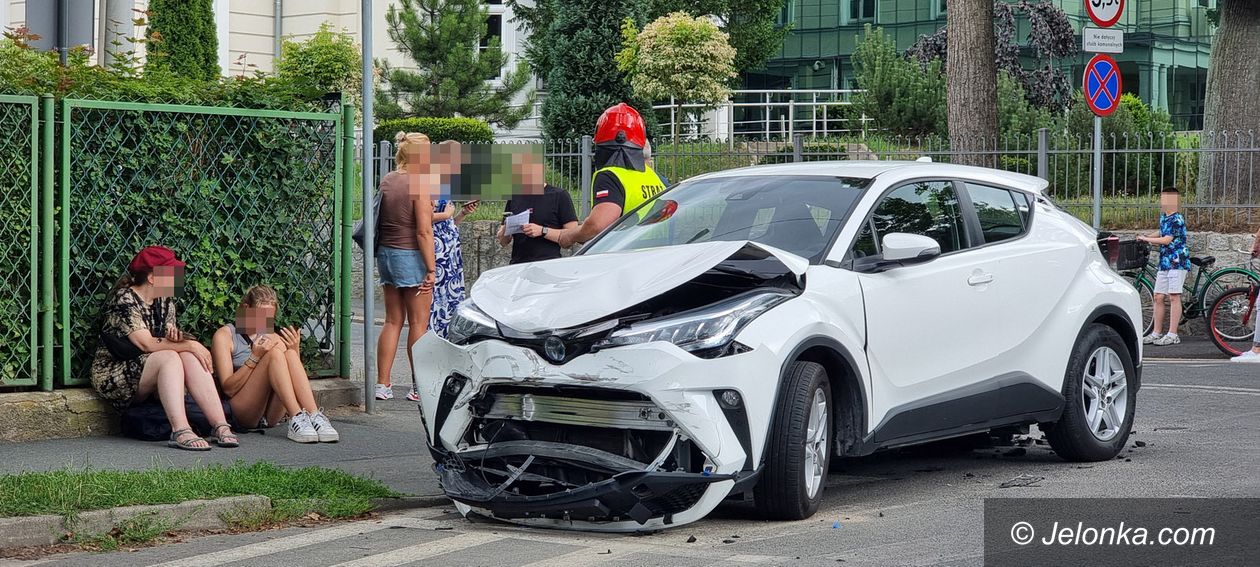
(405, 555)
(1194, 361)
(1206, 389)
(294, 542)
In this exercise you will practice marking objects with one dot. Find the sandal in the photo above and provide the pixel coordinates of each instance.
(187, 443)
(227, 440)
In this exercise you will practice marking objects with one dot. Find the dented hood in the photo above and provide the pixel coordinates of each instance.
(567, 292)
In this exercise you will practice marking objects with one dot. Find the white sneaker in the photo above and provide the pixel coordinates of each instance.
(1249, 356)
(301, 429)
(1169, 339)
(1151, 338)
(384, 392)
(413, 395)
(324, 428)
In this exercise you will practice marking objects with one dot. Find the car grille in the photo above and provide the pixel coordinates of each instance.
(676, 500)
(617, 414)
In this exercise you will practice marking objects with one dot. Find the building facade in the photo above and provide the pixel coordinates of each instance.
(248, 31)
(1165, 62)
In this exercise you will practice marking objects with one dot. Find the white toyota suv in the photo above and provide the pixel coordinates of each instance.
(731, 337)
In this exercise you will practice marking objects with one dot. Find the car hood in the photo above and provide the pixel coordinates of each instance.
(567, 292)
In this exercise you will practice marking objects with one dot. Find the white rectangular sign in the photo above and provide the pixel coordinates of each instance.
(1098, 40)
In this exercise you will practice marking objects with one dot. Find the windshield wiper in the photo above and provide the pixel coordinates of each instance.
(697, 236)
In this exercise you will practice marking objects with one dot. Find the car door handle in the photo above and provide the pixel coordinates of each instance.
(980, 279)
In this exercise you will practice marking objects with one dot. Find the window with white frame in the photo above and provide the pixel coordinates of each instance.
(494, 29)
(938, 8)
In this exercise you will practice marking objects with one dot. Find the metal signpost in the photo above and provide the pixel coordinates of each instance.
(1102, 84)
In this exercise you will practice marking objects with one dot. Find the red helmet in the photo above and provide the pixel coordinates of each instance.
(621, 124)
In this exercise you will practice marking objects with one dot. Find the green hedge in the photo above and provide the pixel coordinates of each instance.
(437, 129)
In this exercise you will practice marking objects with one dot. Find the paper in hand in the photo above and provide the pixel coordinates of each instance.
(515, 223)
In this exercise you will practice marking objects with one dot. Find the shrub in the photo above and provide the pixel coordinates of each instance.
(437, 129)
(326, 62)
(182, 39)
(899, 94)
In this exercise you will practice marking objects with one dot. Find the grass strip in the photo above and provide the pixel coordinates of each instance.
(332, 493)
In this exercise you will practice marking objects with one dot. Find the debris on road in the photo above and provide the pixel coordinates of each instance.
(1139, 443)
(691, 539)
(728, 541)
(1022, 480)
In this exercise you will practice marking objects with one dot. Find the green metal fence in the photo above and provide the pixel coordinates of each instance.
(19, 239)
(244, 196)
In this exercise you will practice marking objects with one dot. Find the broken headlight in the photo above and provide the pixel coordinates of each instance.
(470, 323)
(706, 328)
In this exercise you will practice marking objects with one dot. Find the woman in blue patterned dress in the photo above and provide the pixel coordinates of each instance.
(448, 284)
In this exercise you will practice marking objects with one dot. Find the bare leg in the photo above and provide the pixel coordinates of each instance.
(419, 306)
(201, 387)
(269, 380)
(1159, 313)
(164, 373)
(1174, 315)
(387, 344)
(300, 382)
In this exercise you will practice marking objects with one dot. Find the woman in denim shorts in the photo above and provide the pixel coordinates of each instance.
(404, 253)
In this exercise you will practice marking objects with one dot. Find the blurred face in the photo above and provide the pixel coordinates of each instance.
(167, 280)
(529, 173)
(256, 319)
(418, 158)
(1169, 203)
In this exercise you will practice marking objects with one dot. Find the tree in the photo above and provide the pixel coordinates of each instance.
(971, 81)
(578, 48)
(181, 39)
(1050, 38)
(325, 62)
(750, 24)
(677, 57)
(896, 93)
(1231, 109)
(456, 60)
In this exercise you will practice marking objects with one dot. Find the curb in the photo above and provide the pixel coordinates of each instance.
(193, 515)
(31, 531)
(409, 503)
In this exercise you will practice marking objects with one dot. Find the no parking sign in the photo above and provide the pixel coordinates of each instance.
(1102, 85)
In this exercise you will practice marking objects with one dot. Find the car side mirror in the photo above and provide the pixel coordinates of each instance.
(909, 248)
(900, 249)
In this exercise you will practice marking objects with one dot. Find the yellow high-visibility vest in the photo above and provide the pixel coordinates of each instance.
(639, 186)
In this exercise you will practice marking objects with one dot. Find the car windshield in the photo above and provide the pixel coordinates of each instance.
(799, 214)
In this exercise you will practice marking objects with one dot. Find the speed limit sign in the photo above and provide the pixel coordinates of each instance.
(1105, 13)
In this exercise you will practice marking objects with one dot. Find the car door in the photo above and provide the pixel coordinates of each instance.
(928, 324)
(1034, 272)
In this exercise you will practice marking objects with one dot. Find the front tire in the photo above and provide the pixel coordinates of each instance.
(1232, 321)
(798, 448)
(1100, 398)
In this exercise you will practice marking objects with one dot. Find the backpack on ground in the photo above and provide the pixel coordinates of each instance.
(147, 421)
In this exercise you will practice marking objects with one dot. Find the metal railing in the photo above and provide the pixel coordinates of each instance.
(767, 115)
(245, 196)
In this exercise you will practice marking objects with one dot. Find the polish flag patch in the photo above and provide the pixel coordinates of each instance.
(601, 194)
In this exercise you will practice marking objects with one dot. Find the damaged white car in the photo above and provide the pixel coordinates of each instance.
(734, 335)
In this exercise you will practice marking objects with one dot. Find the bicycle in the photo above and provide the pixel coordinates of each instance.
(1198, 295)
(1232, 319)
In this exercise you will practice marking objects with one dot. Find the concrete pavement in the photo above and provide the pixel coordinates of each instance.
(1199, 422)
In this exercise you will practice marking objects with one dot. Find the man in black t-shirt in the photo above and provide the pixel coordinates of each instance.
(550, 208)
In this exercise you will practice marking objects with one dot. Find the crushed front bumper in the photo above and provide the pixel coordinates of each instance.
(678, 393)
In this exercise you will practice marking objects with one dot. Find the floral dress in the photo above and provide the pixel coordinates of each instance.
(117, 381)
(448, 281)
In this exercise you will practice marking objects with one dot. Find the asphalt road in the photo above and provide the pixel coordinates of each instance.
(1200, 422)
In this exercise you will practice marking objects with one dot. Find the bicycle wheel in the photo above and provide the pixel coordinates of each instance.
(1224, 280)
(1232, 320)
(1146, 292)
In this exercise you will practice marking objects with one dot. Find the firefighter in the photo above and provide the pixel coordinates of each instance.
(622, 181)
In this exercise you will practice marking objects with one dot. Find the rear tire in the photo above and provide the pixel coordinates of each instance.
(1146, 293)
(1100, 398)
(799, 448)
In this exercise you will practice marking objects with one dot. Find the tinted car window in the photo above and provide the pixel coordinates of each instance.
(799, 214)
(999, 217)
(928, 208)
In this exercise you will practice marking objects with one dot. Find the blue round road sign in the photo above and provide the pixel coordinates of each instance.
(1102, 85)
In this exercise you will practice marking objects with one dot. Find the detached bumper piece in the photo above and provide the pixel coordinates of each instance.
(627, 490)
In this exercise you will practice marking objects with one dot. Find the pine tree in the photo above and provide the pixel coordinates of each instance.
(182, 40)
(583, 38)
(447, 40)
